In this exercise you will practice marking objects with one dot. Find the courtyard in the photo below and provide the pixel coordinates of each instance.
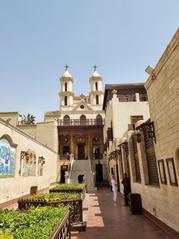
(105, 221)
(89, 100)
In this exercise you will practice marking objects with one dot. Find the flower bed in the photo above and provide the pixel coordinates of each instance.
(38, 223)
(71, 200)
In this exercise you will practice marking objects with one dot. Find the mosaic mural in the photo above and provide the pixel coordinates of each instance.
(7, 159)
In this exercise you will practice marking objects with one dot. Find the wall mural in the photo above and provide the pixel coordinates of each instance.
(28, 163)
(41, 162)
(7, 159)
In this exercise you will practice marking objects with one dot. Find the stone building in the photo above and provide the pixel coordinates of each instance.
(80, 119)
(163, 95)
(124, 105)
(149, 150)
(80, 128)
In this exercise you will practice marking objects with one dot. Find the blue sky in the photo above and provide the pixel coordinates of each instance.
(38, 37)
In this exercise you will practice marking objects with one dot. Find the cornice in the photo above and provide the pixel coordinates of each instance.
(97, 92)
(66, 93)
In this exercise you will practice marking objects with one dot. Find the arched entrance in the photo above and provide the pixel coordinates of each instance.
(81, 148)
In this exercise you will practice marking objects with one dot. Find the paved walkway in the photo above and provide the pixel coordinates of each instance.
(106, 221)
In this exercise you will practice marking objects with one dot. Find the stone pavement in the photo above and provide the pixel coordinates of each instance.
(106, 221)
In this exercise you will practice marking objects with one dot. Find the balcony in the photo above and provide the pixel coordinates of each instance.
(80, 122)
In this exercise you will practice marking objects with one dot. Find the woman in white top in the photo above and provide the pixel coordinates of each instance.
(114, 189)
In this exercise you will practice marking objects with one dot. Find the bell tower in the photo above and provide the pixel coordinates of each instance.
(96, 92)
(66, 94)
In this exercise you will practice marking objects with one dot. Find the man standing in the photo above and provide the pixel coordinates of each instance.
(127, 188)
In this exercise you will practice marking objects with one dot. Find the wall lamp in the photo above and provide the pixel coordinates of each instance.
(119, 149)
(148, 130)
(138, 136)
(125, 145)
(150, 71)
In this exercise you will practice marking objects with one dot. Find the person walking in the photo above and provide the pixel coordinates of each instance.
(114, 190)
(127, 188)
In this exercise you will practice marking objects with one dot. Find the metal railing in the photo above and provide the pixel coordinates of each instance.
(78, 122)
(70, 167)
(63, 230)
(74, 205)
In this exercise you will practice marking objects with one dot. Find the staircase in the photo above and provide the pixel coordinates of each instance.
(82, 167)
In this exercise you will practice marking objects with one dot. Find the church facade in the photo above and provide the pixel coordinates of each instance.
(80, 121)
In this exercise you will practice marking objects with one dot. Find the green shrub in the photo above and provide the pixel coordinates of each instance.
(5, 235)
(70, 186)
(54, 196)
(36, 223)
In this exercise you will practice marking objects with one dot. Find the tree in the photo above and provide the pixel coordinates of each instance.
(27, 119)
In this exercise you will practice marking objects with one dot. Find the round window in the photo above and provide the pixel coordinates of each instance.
(82, 106)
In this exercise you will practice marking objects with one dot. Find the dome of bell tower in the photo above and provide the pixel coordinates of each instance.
(96, 92)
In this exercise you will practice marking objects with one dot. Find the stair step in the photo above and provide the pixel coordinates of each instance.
(82, 167)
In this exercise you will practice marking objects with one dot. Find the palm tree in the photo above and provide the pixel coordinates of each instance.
(29, 119)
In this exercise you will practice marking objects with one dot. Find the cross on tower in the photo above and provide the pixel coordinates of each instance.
(95, 67)
(66, 67)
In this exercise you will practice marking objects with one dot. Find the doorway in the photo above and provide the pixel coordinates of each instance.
(99, 173)
(66, 149)
(81, 151)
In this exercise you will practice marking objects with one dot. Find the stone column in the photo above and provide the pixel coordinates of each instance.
(89, 146)
(71, 144)
(137, 97)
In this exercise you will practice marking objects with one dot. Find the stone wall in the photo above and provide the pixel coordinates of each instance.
(17, 185)
(163, 96)
(118, 114)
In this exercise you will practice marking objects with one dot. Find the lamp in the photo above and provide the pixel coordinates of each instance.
(149, 70)
(116, 153)
(148, 130)
(119, 149)
(137, 135)
(66, 140)
(126, 146)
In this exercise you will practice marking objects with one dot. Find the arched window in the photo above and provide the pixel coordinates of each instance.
(66, 120)
(82, 120)
(97, 99)
(65, 86)
(99, 119)
(9, 140)
(65, 100)
(96, 85)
